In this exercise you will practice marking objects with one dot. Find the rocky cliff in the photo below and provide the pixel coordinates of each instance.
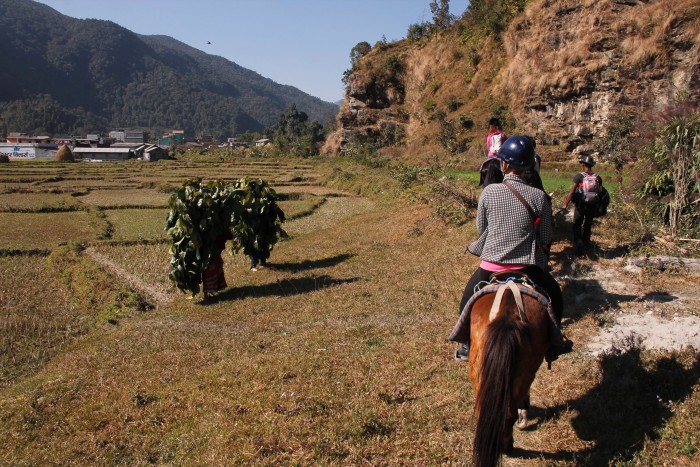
(558, 69)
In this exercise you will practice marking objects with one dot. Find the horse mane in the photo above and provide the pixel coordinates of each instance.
(504, 335)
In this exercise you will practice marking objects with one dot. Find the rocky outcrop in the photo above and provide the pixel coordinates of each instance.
(589, 62)
(561, 71)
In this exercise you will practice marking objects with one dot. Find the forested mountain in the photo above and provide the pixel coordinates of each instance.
(61, 75)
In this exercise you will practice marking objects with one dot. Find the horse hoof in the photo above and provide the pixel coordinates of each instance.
(521, 424)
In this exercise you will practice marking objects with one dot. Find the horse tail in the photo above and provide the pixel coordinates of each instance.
(503, 338)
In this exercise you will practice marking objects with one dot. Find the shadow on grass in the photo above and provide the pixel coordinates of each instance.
(632, 403)
(584, 296)
(280, 288)
(312, 264)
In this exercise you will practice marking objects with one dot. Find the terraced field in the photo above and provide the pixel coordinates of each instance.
(336, 354)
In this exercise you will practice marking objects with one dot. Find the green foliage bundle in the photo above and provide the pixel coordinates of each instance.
(200, 214)
(203, 215)
(256, 227)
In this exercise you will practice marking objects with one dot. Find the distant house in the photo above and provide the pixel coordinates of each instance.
(263, 142)
(154, 153)
(174, 137)
(102, 154)
(93, 141)
(24, 138)
(234, 143)
(134, 137)
(28, 150)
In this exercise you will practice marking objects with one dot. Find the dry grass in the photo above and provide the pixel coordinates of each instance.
(19, 202)
(46, 230)
(337, 354)
(137, 224)
(150, 263)
(561, 46)
(37, 317)
(134, 197)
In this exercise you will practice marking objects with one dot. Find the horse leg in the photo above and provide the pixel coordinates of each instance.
(521, 423)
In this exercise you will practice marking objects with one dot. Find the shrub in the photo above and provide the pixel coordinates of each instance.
(419, 31)
(454, 103)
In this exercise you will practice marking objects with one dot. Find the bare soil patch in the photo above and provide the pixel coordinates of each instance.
(658, 313)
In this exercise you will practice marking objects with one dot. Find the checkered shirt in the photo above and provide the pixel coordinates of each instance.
(506, 229)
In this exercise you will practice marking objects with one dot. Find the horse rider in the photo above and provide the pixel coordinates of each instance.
(510, 239)
(495, 137)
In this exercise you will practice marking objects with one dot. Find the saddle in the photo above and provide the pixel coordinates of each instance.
(524, 285)
(503, 276)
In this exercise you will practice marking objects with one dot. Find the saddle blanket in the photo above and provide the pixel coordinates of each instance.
(460, 333)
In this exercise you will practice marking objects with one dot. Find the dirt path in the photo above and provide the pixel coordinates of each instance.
(659, 312)
(151, 294)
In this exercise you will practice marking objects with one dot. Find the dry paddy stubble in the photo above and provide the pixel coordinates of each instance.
(37, 317)
(336, 355)
(46, 230)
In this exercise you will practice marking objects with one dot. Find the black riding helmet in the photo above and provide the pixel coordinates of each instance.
(517, 151)
(588, 160)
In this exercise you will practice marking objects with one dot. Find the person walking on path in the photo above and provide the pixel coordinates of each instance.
(585, 193)
(213, 278)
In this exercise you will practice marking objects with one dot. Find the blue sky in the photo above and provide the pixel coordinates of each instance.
(303, 43)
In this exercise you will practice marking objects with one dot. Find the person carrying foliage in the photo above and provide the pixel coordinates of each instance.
(203, 216)
(259, 227)
(586, 193)
(213, 278)
(514, 223)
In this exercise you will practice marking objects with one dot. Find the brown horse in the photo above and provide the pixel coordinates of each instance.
(507, 348)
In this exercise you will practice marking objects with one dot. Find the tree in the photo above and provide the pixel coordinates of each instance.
(616, 146)
(676, 154)
(359, 51)
(293, 134)
(441, 13)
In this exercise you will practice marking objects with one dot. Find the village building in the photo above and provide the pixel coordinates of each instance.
(234, 143)
(29, 150)
(102, 154)
(134, 137)
(174, 137)
(153, 153)
(263, 142)
(26, 139)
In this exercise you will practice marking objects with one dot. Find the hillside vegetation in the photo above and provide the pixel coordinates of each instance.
(561, 70)
(64, 76)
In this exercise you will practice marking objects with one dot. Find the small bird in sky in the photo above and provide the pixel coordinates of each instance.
(208, 42)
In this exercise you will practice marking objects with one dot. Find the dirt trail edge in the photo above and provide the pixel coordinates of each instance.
(151, 295)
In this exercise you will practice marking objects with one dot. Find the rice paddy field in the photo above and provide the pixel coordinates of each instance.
(335, 354)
